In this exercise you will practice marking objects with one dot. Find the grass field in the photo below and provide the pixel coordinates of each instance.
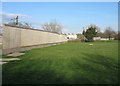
(68, 63)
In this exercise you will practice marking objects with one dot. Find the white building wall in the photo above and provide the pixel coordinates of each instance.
(72, 36)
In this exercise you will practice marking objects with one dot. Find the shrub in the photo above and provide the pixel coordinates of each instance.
(74, 40)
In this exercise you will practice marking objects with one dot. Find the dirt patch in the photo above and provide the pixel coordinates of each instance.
(9, 59)
(3, 62)
(16, 54)
(6, 60)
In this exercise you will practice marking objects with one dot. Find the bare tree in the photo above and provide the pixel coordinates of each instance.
(27, 25)
(52, 27)
(109, 32)
(15, 22)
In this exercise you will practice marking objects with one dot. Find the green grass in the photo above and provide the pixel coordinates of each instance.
(69, 63)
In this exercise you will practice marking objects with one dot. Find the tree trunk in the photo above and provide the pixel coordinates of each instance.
(109, 36)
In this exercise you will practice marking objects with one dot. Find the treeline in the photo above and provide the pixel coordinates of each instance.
(109, 33)
(94, 31)
(52, 26)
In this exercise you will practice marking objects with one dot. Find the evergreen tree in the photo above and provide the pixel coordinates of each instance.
(90, 33)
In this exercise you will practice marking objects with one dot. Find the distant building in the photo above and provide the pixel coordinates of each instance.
(71, 36)
(103, 39)
(96, 38)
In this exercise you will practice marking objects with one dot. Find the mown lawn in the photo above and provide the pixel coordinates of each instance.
(68, 63)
